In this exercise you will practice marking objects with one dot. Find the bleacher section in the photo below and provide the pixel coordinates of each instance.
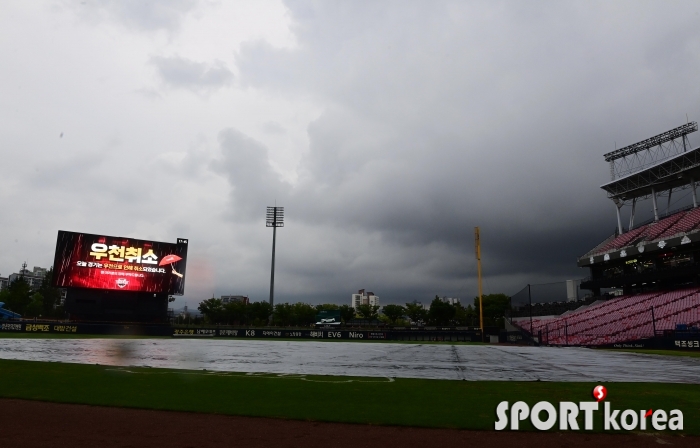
(621, 241)
(7, 314)
(621, 319)
(654, 230)
(678, 223)
(685, 224)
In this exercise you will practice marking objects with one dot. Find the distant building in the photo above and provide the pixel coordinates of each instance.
(230, 299)
(33, 277)
(451, 300)
(364, 298)
(420, 304)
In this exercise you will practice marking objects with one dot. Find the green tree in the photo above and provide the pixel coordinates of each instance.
(495, 306)
(369, 312)
(212, 309)
(260, 312)
(51, 296)
(394, 312)
(416, 312)
(283, 315)
(327, 307)
(347, 313)
(441, 313)
(18, 296)
(235, 313)
(465, 315)
(36, 306)
(304, 314)
(4, 297)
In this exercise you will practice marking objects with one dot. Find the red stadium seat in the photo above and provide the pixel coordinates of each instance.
(621, 319)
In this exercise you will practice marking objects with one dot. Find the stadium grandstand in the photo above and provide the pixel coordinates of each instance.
(652, 268)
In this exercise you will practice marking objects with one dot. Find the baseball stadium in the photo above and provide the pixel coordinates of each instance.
(118, 373)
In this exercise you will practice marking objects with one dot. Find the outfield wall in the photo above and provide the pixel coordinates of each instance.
(678, 341)
(337, 334)
(85, 329)
(433, 334)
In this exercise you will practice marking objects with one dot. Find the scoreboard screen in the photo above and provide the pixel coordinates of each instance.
(84, 260)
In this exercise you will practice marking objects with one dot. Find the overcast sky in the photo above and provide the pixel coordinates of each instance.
(387, 130)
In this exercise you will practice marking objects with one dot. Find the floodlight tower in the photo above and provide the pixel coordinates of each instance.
(275, 218)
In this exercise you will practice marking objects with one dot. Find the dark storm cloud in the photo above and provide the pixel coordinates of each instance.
(388, 130)
(182, 73)
(245, 164)
(447, 116)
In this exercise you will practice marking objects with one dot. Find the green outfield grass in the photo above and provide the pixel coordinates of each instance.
(382, 401)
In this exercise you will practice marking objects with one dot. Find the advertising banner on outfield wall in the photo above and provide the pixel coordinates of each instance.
(262, 333)
(268, 333)
(328, 317)
(84, 260)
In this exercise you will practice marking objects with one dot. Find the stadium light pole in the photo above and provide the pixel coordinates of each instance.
(477, 247)
(274, 219)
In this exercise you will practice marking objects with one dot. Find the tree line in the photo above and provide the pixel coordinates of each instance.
(43, 302)
(304, 315)
(258, 313)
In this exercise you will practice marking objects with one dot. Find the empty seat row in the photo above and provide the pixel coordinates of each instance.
(621, 319)
(670, 226)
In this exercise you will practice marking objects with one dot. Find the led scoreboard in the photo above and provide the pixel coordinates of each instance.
(116, 263)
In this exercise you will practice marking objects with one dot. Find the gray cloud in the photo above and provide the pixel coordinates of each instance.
(273, 128)
(149, 15)
(440, 119)
(388, 130)
(254, 184)
(182, 73)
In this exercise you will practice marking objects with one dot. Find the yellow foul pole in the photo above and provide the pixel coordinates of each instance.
(477, 246)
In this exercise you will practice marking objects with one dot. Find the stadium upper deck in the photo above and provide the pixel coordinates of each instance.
(666, 251)
(656, 264)
(682, 224)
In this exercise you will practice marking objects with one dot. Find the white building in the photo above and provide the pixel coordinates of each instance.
(364, 298)
(451, 300)
(229, 299)
(33, 277)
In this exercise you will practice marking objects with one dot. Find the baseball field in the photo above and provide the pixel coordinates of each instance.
(451, 408)
(379, 401)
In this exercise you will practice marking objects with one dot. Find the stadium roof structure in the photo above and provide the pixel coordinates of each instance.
(675, 172)
(644, 169)
(657, 140)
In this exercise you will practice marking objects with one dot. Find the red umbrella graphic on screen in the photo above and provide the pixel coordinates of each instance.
(170, 259)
